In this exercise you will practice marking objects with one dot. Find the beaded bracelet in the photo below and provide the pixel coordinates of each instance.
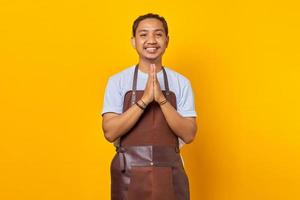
(141, 107)
(163, 102)
(143, 103)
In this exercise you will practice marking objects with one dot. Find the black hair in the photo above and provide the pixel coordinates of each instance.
(147, 16)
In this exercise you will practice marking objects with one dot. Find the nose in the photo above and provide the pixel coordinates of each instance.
(151, 39)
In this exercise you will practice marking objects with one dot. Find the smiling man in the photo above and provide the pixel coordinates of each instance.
(149, 114)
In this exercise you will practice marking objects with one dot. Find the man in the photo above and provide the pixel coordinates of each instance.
(149, 114)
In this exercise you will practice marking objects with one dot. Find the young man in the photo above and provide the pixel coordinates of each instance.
(149, 114)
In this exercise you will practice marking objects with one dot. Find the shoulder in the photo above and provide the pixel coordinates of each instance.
(177, 77)
(120, 77)
(125, 72)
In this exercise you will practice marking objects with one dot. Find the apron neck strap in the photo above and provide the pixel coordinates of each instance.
(166, 81)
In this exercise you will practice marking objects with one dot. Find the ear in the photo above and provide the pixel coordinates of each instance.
(167, 42)
(133, 42)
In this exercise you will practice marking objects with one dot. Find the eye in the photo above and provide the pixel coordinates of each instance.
(142, 35)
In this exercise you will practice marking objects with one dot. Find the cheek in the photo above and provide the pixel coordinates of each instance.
(163, 45)
(140, 45)
(138, 42)
(162, 42)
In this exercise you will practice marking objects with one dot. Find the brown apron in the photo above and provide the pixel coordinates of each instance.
(147, 165)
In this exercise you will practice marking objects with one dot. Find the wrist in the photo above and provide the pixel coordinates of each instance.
(142, 107)
(161, 98)
(163, 101)
(144, 101)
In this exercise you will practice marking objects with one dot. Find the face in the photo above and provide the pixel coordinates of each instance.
(150, 39)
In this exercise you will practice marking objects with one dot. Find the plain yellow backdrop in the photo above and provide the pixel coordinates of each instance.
(242, 58)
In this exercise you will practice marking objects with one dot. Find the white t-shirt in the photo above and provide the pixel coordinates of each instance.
(118, 84)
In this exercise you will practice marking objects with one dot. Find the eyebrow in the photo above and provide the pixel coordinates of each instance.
(143, 30)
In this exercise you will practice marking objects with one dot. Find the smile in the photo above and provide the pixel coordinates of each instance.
(151, 49)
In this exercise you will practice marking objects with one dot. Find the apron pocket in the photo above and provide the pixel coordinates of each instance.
(140, 185)
(163, 183)
(151, 183)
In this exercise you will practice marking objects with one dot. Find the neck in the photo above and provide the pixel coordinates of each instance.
(144, 65)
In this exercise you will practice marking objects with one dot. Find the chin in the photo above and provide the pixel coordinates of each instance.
(152, 57)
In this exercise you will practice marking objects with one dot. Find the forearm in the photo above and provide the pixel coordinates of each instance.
(182, 127)
(121, 124)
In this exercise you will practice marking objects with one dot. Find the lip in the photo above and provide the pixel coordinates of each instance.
(152, 47)
(151, 50)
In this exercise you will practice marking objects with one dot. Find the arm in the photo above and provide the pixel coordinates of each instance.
(115, 125)
(183, 127)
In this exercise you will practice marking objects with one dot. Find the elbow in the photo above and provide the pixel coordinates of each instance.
(191, 137)
(108, 136)
(189, 140)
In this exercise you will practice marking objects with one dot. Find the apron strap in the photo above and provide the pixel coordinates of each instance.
(166, 81)
(177, 149)
(134, 83)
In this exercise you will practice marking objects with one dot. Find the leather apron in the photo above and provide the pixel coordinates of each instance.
(148, 165)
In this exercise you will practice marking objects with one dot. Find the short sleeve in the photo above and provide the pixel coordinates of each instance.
(113, 100)
(186, 104)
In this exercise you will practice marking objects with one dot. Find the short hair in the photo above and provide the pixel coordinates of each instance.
(147, 16)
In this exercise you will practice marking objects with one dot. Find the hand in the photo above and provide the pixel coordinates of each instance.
(148, 95)
(158, 95)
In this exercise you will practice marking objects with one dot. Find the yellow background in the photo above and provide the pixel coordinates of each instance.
(242, 58)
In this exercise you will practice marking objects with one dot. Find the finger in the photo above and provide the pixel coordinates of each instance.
(150, 73)
(153, 78)
(154, 73)
(150, 77)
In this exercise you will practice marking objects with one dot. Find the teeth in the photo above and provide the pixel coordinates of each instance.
(151, 49)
